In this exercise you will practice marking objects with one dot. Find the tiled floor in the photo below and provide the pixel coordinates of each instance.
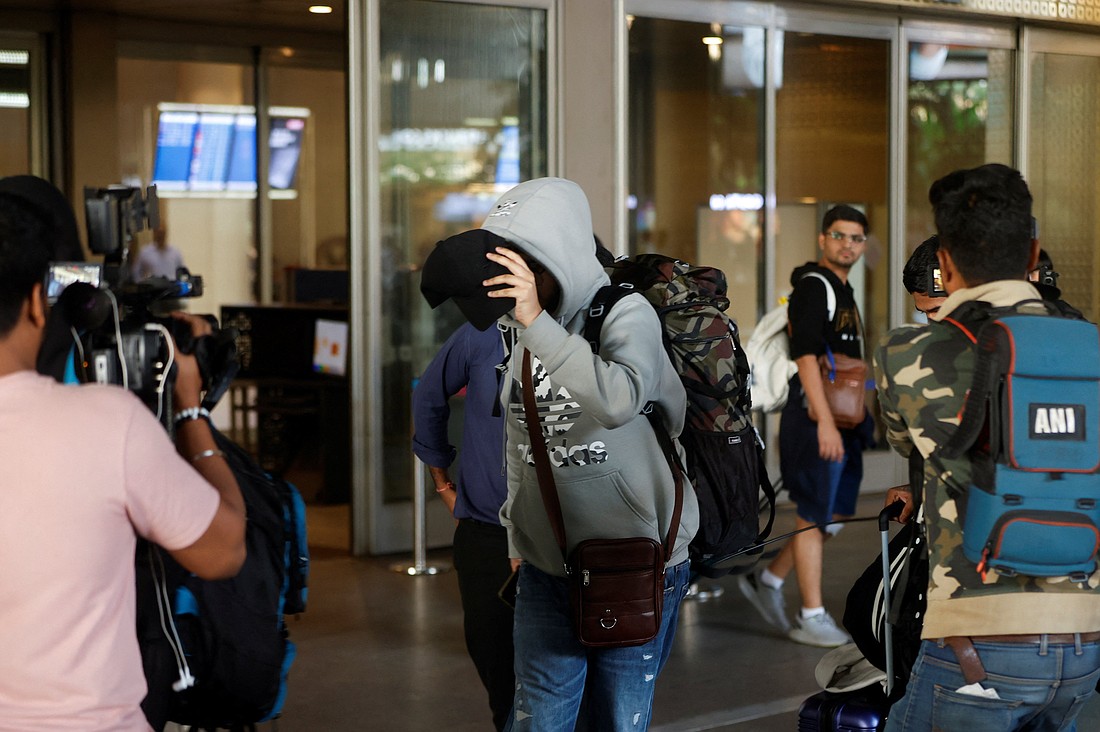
(379, 650)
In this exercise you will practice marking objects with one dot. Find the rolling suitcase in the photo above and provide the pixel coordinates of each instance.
(861, 710)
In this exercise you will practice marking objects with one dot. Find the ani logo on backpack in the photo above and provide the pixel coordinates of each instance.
(1034, 508)
(724, 454)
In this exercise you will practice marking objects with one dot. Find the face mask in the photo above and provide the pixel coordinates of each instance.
(918, 317)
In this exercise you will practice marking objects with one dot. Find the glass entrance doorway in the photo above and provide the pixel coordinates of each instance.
(463, 117)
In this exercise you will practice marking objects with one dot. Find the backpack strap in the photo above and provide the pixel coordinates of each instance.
(975, 405)
(765, 486)
(988, 362)
(830, 293)
(602, 302)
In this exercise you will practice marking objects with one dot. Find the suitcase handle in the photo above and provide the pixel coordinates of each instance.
(890, 512)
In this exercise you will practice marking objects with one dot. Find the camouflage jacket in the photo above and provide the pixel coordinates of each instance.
(923, 373)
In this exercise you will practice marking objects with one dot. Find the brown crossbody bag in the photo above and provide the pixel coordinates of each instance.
(844, 380)
(616, 586)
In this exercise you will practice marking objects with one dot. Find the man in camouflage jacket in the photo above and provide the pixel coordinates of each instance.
(999, 652)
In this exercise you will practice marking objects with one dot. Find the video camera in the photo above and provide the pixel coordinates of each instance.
(119, 335)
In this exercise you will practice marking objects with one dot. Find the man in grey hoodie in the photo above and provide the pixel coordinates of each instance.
(612, 478)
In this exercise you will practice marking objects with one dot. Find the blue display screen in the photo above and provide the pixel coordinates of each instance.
(204, 151)
(242, 162)
(175, 141)
(211, 151)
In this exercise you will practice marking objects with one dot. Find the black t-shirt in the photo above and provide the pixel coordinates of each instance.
(807, 311)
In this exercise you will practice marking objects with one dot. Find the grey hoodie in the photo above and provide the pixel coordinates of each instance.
(612, 478)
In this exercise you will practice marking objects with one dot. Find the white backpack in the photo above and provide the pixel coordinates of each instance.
(769, 353)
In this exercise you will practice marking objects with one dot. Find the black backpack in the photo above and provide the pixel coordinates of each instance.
(725, 459)
(865, 617)
(224, 662)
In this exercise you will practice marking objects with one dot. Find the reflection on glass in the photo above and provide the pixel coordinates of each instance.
(959, 116)
(832, 146)
(215, 235)
(1064, 109)
(463, 119)
(695, 129)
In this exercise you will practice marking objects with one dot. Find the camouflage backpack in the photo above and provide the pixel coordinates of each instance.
(724, 454)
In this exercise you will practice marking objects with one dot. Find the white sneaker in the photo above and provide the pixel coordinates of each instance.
(820, 630)
(701, 594)
(768, 601)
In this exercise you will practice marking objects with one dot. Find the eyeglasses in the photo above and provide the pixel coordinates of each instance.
(841, 236)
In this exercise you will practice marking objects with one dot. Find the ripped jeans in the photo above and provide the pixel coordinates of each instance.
(554, 671)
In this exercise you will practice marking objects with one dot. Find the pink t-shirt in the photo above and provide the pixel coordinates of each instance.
(82, 468)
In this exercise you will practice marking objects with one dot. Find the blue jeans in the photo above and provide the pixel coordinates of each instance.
(1040, 688)
(819, 488)
(552, 667)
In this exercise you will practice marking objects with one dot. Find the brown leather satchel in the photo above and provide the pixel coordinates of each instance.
(844, 380)
(616, 586)
(616, 591)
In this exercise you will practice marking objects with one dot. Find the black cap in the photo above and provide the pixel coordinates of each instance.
(456, 268)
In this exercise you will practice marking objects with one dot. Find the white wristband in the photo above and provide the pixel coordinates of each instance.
(186, 415)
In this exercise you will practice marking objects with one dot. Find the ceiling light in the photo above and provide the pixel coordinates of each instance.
(712, 40)
(320, 9)
(14, 100)
(14, 58)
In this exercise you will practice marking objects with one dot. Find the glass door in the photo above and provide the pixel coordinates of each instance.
(832, 142)
(832, 146)
(696, 136)
(1062, 115)
(463, 117)
(959, 104)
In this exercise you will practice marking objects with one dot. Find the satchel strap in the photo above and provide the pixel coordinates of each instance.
(549, 488)
(664, 439)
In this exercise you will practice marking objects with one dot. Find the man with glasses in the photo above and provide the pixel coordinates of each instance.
(821, 464)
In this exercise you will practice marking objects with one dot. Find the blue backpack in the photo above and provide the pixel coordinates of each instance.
(1031, 425)
(231, 650)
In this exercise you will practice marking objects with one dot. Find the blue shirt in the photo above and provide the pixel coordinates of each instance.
(467, 360)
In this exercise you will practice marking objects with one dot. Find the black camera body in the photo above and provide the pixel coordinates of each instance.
(119, 328)
(1047, 275)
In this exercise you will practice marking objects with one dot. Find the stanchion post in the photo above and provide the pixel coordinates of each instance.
(420, 527)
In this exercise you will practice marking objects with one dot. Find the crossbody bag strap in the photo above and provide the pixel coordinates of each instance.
(664, 439)
(547, 486)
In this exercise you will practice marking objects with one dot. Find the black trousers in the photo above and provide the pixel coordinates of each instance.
(482, 565)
